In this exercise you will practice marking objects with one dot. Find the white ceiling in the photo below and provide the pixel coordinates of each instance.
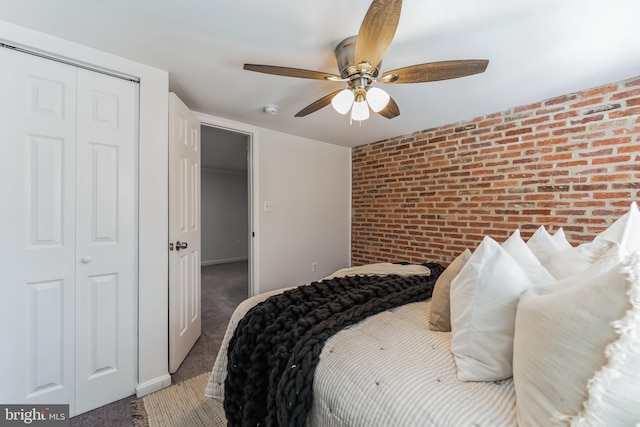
(537, 49)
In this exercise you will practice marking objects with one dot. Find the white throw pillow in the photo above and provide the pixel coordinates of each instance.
(440, 312)
(575, 261)
(624, 233)
(484, 297)
(577, 350)
(543, 245)
(560, 238)
(520, 252)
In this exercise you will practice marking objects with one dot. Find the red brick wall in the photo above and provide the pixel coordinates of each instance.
(571, 162)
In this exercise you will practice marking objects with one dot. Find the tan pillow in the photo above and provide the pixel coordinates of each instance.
(440, 318)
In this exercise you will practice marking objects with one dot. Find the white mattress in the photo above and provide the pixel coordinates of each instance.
(391, 370)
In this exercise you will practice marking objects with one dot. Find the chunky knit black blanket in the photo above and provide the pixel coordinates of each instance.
(275, 349)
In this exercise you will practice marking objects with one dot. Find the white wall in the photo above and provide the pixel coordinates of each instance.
(309, 185)
(225, 226)
(153, 193)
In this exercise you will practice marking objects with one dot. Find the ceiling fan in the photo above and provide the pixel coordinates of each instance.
(359, 59)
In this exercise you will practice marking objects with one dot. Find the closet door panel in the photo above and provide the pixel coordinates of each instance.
(106, 239)
(37, 224)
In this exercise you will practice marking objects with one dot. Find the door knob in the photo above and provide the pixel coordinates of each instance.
(181, 245)
(86, 259)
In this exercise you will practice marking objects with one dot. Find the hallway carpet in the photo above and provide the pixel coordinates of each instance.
(224, 286)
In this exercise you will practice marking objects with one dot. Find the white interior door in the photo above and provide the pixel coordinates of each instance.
(184, 231)
(68, 191)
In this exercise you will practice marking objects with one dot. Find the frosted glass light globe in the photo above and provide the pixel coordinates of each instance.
(377, 99)
(360, 109)
(342, 101)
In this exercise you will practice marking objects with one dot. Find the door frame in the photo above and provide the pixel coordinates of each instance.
(252, 174)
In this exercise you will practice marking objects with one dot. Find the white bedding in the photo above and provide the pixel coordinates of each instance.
(390, 370)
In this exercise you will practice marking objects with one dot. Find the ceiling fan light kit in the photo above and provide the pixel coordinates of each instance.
(355, 56)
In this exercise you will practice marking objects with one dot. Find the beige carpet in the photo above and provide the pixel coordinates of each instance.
(183, 405)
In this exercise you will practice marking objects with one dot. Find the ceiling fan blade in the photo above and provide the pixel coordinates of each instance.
(291, 72)
(434, 71)
(391, 110)
(377, 31)
(320, 103)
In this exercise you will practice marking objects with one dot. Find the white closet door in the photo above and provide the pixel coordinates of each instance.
(37, 226)
(68, 222)
(106, 243)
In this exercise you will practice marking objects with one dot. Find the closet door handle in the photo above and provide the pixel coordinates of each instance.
(181, 245)
(86, 259)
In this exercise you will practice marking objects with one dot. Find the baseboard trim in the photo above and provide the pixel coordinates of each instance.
(153, 385)
(223, 261)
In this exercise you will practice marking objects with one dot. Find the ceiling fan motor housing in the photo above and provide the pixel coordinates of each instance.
(346, 54)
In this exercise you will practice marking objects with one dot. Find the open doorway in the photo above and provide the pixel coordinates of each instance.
(225, 197)
(225, 221)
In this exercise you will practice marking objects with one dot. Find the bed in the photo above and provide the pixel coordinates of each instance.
(567, 344)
